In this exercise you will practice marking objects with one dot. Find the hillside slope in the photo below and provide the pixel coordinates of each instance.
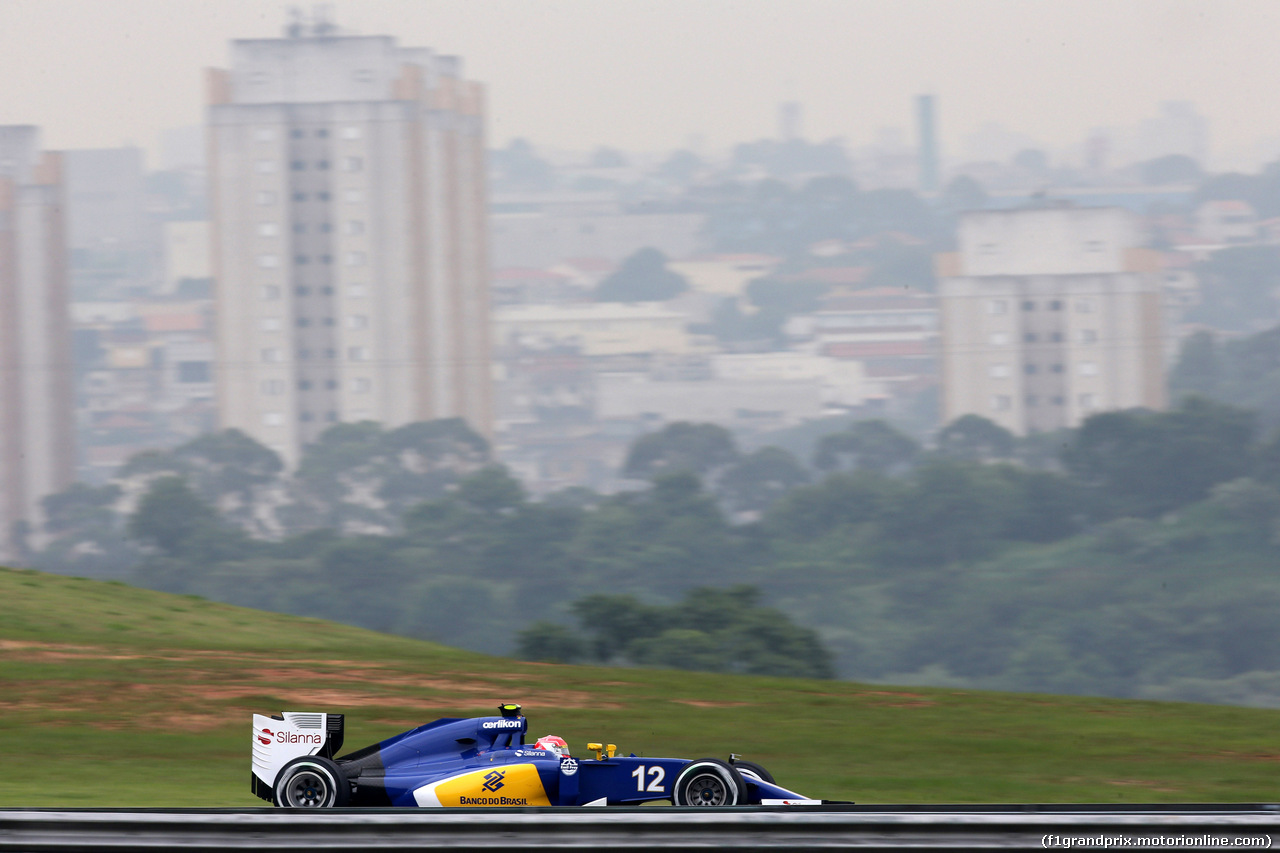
(115, 696)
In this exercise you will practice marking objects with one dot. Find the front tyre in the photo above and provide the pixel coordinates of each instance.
(312, 782)
(708, 782)
(751, 770)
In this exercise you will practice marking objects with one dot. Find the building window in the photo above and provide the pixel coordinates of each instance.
(303, 322)
(352, 196)
(997, 306)
(1088, 368)
(1094, 246)
(298, 165)
(1033, 400)
(357, 291)
(358, 353)
(326, 259)
(306, 417)
(1059, 401)
(296, 133)
(1030, 369)
(264, 134)
(327, 290)
(268, 229)
(302, 290)
(361, 385)
(330, 353)
(304, 355)
(352, 164)
(1056, 337)
(193, 371)
(301, 260)
(998, 371)
(299, 228)
(304, 384)
(328, 321)
(270, 291)
(999, 339)
(264, 197)
(268, 261)
(299, 196)
(325, 227)
(331, 384)
(1088, 336)
(1028, 305)
(358, 321)
(1001, 402)
(1057, 368)
(1055, 305)
(323, 196)
(272, 419)
(1030, 337)
(356, 259)
(331, 417)
(269, 324)
(355, 227)
(322, 165)
(273, 355)
(264, 167)
(351, 132)
(1084, 306)
(1088, 402)
(272, 387)
(987, 248)
(322, 133)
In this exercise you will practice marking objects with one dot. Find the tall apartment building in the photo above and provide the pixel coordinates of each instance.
(347, 193)
(37, 444)
(1050, 315)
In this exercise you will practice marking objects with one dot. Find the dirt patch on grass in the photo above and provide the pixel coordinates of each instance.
(706, 703)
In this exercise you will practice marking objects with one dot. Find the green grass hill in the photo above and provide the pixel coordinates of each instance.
(115, 696)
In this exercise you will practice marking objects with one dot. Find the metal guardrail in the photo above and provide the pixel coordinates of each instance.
(796, 828)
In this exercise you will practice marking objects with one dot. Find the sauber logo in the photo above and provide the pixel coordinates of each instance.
(493, 781)
(265, 736)
(501, 724)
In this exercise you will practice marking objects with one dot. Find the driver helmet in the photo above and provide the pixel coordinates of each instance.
(552, 743)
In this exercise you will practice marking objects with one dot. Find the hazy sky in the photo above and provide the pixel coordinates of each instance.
(652, 74)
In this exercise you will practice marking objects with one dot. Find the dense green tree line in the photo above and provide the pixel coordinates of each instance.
(1138, 558)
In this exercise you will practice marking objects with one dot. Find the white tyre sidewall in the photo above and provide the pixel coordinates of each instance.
(286, 776)
(698, 768)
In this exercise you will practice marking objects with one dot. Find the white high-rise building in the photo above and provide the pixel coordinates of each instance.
(37, 417)
(1048, 316)
(348, 199)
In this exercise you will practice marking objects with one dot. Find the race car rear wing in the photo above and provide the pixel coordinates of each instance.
(277, 740)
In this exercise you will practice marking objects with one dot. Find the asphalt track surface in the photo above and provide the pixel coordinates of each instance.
(872, 827)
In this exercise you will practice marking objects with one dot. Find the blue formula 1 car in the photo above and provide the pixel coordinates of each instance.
(482, 761)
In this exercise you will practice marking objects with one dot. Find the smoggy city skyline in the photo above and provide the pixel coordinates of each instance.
(658, 74)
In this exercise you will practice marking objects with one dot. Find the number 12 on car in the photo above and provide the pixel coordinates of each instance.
(655, 784)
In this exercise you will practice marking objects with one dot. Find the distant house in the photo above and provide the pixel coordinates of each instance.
(1227, 222)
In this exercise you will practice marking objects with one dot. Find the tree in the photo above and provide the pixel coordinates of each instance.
(873, 445)
(170, 516)
(976, 439)
(1239, 288)
(643, 277)
(1142, 463)
(760, 479)
(549, 643)
(704, 449)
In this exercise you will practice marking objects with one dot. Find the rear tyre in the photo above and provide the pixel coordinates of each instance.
(708, 782)
(312, 782)
(751, 770)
